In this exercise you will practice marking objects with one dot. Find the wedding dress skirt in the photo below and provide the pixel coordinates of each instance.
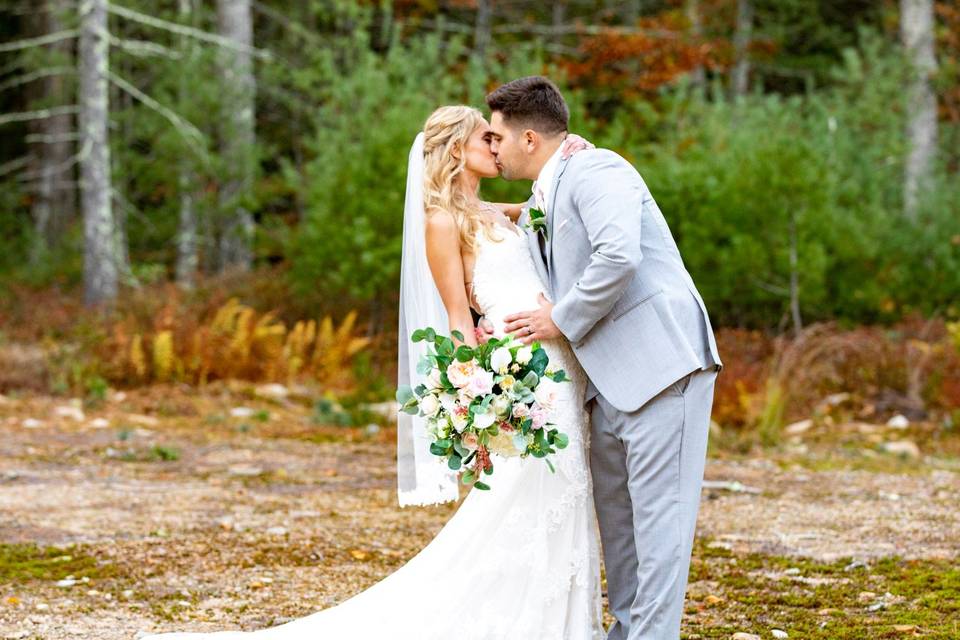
(518, 562)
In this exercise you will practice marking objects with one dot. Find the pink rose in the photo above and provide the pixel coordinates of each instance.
(460, 373)
(470, 441)
(506, 427)
(539, 416)
(481, 383)
(521, 410)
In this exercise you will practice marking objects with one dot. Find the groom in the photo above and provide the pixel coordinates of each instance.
(639, 328)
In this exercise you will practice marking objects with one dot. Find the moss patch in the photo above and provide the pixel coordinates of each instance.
(842, 600)
(26, 562)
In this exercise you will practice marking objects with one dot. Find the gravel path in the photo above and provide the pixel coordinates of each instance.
(254, 523)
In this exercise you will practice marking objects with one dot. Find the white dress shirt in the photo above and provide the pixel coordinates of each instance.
(543, 186)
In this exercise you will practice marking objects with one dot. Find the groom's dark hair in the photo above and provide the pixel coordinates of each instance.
(532, 103)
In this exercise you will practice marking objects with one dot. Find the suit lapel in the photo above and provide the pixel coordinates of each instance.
(551, 209)
(533, 241)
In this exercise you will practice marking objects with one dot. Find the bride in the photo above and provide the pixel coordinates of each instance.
(518, 562)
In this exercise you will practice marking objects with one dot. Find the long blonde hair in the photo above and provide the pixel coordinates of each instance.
(445, 136)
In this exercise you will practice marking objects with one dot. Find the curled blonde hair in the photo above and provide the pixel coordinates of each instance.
(445, 136)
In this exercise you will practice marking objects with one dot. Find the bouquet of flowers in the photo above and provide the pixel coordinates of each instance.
(492, 399)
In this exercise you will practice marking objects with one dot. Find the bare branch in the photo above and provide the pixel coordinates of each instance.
(40, 138)
(25, 116)
(144, 48)
(292, 26)
(57, 169)
(51, 38)
(190, 133)
(14, 165)
(183, 30)
(39, 74)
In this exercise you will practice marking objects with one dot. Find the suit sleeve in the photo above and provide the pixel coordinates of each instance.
(608, 195)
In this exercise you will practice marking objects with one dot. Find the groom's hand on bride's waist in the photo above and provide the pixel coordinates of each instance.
(528, 326)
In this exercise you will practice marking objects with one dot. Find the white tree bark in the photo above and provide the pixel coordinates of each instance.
(698, 75)
(740, 82)
(99, 257)
(916, 34)
(482, 27)
(54, 201)
(187, 263)
(238, 137)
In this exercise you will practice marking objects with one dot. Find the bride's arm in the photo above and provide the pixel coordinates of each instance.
(446, 265)
(510, 210)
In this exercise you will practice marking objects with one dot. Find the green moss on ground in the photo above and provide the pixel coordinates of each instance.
(842, 600)
(21, 563)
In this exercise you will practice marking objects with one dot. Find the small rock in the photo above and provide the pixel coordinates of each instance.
(905, 628)
(856, 564)
(17, 635)
(886, 495)
(99, 423)
(31, 423)
(241, 412)
(799, 427)
(829, 611)
(277, 531)
(147, 421)
(711, 600)
(272, 391)
(780, 633)
(42, 606)
(372, 429)
(66, 582)
(905, 448)
(792, 571)
(740, 635)
(70, 412)
(245, 470)
(127, 594)
(866, 596)
(898, 421)
(836, 399)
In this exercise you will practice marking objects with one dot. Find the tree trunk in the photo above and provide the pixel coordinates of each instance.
(186, 264)
(238, 137)
(99, 257)
(559, 17)
(741, 42)
(54, 196)
(916, 34)
(481, 32)
(630, 11)
(698, 74)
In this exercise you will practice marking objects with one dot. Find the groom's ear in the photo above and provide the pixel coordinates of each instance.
(531, 140)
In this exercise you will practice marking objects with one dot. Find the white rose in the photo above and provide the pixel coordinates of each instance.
(524, 355)
(448, 401)
(500, 359)
(546, 393)
(484, 420)
(429, 405)
(433, 380)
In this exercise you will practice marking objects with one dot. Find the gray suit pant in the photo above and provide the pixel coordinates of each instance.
(647, 470)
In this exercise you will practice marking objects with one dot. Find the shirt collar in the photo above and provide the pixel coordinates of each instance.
(545, 179)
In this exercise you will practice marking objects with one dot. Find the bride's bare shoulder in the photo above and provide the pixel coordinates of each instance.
(441, 224)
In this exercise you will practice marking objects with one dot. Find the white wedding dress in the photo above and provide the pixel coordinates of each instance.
(518, 562)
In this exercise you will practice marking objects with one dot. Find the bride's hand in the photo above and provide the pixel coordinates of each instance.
(575, 143)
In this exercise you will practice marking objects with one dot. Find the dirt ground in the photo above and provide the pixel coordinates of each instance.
(228, 509)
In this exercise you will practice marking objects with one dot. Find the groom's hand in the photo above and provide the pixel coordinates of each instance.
(529, 326)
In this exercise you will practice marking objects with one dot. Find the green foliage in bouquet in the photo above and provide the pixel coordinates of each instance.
(482, 400)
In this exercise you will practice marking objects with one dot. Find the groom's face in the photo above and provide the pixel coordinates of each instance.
(509, 147)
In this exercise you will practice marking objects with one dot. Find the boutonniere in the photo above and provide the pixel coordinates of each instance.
(537, 222)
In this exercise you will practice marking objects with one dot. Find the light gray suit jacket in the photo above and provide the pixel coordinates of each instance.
(623, 297)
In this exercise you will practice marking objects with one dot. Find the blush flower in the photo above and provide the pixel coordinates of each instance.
(461, 373)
